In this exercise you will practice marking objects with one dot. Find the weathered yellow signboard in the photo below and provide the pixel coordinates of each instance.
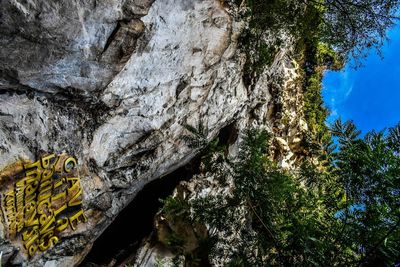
(43, 202)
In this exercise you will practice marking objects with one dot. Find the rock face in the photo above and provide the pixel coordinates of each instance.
(112, 83)
(278, 108)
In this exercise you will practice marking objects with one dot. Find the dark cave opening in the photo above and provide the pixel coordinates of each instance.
(228, 135)
(124, 235)
(135, 222)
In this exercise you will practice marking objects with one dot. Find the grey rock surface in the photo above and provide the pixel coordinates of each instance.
(276, 86)
(112, 83)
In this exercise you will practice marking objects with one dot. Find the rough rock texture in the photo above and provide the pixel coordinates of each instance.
(200, 187)
(285, 111)
(113, 82)
(278, 109)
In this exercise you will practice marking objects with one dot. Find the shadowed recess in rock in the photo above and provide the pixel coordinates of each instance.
(122, 238)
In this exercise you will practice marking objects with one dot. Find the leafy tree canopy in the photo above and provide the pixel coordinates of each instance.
(347, 216)
(349, 26)
(352, 26)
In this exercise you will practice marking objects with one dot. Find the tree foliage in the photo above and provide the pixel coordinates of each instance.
(292, 215)
(368, 169)
(348, 26)
(347, 216)
(351, 26)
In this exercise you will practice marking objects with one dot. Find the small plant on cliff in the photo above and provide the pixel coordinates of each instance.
(212, 152)
(182, 234)
(160, 263)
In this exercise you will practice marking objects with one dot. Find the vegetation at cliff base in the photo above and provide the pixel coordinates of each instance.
(348, 216)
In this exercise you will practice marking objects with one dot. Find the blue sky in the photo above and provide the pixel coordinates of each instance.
(370, 95)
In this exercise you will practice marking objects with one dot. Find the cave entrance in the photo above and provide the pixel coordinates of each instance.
(124, 235)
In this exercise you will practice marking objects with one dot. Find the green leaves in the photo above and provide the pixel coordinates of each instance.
(394, 138)
(212, 152)
(346, 215)
(369, 171)
(175, 207)
(290, 213)
(353, 26)
(197, 137)
(346, 132)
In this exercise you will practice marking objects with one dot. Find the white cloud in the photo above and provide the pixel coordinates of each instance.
(349, 92)
(338, 87)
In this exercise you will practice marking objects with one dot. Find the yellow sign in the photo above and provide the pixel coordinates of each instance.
(44, 202)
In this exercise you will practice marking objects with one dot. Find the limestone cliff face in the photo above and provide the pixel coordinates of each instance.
(279, 110)
(113, 82)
